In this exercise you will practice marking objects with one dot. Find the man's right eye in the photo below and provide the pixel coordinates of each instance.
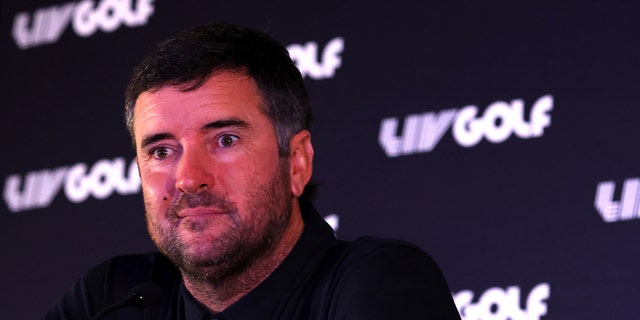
(160, 152)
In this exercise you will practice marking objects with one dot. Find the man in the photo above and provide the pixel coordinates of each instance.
(219, 116)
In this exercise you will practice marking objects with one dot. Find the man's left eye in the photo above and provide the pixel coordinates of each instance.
(227, 140)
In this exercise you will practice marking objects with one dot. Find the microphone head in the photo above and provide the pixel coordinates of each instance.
(145, 295)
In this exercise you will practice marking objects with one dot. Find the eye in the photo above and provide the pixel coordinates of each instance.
(227, 140)
(159, 152)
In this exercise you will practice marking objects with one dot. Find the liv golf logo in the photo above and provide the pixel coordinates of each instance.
(499, 121)
(46, 25)
(504, 304)
(37, 189)
(627, 208)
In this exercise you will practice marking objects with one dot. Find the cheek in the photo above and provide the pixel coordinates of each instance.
(158, 187)
(240, 176)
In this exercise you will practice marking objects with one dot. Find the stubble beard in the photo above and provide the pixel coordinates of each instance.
(241, 245)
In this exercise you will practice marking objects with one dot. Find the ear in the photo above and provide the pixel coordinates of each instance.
(300, 161)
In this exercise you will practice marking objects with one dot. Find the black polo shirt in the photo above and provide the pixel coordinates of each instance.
(322, 278)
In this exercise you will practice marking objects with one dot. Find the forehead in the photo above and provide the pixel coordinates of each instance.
(223, 95)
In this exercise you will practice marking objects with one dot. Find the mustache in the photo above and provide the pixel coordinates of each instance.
(201, 199)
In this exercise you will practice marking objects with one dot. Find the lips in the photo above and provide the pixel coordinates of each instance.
(199, 212)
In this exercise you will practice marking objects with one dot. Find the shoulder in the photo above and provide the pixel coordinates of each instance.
(131, 269)
(110, 281)
(395, 259)
(369, 244)
(134, 264)
(388, 277)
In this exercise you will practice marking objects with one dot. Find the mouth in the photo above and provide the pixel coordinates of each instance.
(199, 212)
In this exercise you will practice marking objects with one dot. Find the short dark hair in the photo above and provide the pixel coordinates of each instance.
(192, 56)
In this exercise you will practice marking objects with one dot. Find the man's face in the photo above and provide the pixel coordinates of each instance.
(215, 191)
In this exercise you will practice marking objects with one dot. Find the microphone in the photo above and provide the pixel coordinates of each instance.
(141, 296)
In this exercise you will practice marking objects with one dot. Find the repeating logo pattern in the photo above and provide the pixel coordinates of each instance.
(46, 25)
(422, 132)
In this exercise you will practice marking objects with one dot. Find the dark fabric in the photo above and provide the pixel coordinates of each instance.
(322, 278)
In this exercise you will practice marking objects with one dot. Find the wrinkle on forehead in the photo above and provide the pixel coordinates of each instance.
(227, 95)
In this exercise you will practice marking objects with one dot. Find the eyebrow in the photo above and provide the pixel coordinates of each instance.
(218, 124)
(226, 123)
(154, 138)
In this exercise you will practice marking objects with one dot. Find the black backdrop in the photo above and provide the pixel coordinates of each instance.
(538, 219)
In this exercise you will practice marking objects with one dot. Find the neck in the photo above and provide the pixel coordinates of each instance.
(217, 296)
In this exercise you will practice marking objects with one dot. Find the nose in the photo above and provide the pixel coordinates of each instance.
(194, 172)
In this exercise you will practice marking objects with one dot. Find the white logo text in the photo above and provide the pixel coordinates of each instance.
(502, 304)
(37, 189)
(422, 132)
(306, 58)
(627, 208)
(46, 25)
